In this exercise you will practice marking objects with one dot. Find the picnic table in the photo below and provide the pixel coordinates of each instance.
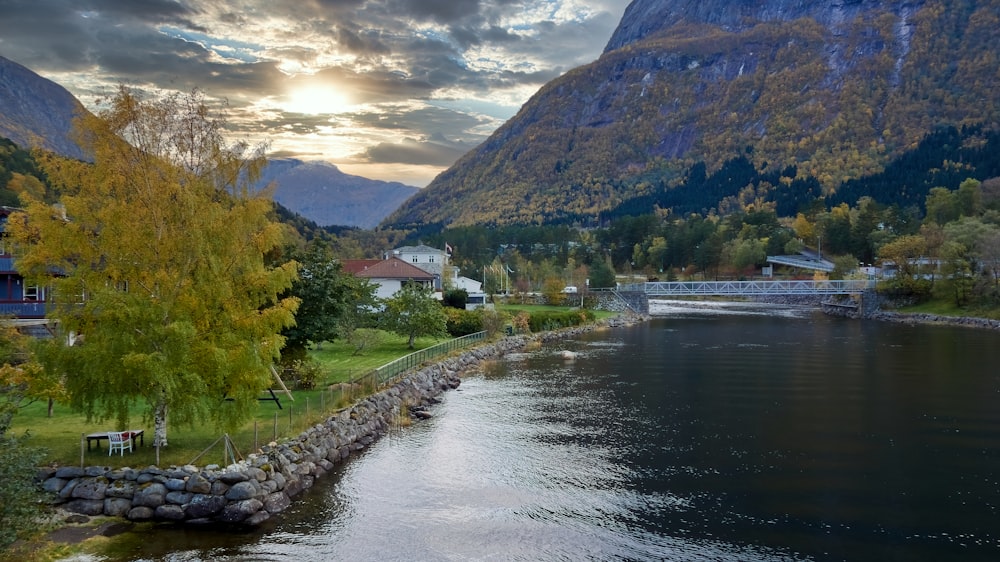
(133, 433)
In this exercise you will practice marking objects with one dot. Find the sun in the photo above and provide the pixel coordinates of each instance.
(317, 100)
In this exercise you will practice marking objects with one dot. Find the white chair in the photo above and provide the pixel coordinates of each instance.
(119, 441)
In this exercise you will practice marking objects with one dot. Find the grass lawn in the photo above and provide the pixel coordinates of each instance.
(61, 435)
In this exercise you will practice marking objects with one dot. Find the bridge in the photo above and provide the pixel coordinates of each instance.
(750, 288)
(637, 295)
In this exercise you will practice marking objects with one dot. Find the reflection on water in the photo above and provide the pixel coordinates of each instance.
(709, 434)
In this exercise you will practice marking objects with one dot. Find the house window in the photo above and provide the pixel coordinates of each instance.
(34, 293)
(430, 259)
(416, 259)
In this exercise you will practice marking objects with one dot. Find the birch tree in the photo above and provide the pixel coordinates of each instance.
(154, 254)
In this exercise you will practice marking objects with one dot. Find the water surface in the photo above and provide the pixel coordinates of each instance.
(722, 433)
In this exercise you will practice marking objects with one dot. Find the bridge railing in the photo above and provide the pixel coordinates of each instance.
(747, 288)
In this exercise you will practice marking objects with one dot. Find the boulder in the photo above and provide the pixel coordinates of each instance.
(152, 494)
(85, 507)
(238, 512)
(204, 505)
(117, 507)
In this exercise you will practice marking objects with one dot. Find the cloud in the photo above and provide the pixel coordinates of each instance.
(412, 151)
(393, 69)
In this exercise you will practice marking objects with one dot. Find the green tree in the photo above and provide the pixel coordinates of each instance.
(22, 379)
(158, 253)
(327, 295)
(956, 272)
(413, 312)
(990, 255)
(942, 205)
(745, 253)
(601, 275)
(969, 198)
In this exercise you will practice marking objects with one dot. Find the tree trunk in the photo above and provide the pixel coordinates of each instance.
(52, 404)
(160, 423)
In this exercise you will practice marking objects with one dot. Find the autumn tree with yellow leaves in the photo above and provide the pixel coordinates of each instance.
(155, 256)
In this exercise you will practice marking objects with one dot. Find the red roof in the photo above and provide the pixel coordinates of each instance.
(394, 268)
(355, 267)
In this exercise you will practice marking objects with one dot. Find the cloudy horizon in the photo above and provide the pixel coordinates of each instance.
(387, 89)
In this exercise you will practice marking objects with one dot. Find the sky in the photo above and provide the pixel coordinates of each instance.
(395, 90)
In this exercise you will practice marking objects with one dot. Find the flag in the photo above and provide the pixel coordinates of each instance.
(447, 248)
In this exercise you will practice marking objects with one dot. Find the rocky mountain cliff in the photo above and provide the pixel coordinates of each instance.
(831, 91)
(35, 111)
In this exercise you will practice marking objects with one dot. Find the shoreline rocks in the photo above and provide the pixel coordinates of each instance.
(923, 318)
(251, 491)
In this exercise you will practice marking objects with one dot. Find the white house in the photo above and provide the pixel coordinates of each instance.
(435, 262)
(389, 275)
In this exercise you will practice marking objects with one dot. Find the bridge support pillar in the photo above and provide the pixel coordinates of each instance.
(869, 303)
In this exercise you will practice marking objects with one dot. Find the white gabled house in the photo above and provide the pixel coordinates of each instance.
(414, 264)
(436, 262)
(389, 275)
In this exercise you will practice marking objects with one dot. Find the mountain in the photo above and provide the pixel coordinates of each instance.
(820, 91)
(35, 111)
(322, 193)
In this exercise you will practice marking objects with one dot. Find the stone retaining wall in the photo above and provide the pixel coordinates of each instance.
(251, 491)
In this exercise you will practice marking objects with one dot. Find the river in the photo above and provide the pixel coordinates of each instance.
(732, 432)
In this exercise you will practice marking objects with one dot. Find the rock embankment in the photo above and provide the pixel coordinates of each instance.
(921, 318)
(253, 490)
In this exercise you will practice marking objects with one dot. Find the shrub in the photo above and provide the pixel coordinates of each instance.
(492, 320)
(363, 338)
(906, 289)
(305, 373)
(522, 323)
(19, 496)
(455, 298)
(553, 320)
(463, 322)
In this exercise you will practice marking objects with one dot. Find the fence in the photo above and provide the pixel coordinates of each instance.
(389, 372)
(297, 415)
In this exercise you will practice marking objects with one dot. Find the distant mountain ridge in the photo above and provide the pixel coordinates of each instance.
(35, 111)
(828, 91)
(320, 192)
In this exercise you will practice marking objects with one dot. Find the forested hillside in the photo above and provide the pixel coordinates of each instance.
(18, 172)
(811, 102)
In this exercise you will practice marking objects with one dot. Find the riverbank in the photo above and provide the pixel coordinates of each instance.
(923, 318)
(97, 502)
